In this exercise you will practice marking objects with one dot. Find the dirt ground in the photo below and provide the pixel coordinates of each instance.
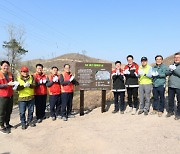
(95, 132)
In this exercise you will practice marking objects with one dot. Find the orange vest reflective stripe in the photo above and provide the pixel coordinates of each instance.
(67, 88)
(7, 91)
(41, 89)
(55, 89)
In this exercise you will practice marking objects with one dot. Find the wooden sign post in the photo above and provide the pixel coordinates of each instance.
(93, 76)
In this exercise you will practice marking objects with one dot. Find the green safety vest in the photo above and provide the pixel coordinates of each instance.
(26, 92)
(144, 79)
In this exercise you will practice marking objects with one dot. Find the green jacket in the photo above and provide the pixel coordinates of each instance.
(174, 77)
(159, 80)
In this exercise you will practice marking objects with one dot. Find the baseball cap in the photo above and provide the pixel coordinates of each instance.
(24, 69)
(144, 59)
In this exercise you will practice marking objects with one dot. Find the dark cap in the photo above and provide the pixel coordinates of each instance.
(144, 59)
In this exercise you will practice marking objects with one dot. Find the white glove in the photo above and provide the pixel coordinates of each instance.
(126, 72)
(172, 67)
(140, 72)
(155, 73)
(72, 78)
(16, 84)
(55, 79)
(41, 81)
(114, 74)
(27, 84)
(117, 72)
(44, 81)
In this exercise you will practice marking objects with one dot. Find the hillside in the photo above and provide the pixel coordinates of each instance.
(70, 58)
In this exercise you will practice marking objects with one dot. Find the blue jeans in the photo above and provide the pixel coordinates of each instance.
(159, 98)
(22, 111)
(171, 96)
(119, 104)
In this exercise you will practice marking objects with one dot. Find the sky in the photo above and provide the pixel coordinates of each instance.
(105, 29)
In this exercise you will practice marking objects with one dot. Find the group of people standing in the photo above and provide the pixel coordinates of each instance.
(146, 79)
(143, 79)
(32, 91)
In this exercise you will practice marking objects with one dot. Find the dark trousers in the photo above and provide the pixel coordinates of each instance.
(22, 110)
(40, 103)
(6, 105)
(171, 95)
(66, 103)
(55, 105)
(119, 104)
(133, 93)
(159, 98)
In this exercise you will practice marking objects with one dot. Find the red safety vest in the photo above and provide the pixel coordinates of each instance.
(7, 91)
(55, 89)
(41, 89)
(67, 88)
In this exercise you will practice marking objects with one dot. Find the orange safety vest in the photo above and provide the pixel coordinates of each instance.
(67, 88)
(41, 89)
(7, 91)
(55, 89)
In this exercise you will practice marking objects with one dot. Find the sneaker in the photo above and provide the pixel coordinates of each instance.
(130, 109)
(39, 120)
(115, 111)
(160, 114)
(169, 114)
(121, 112)
(31, 124)
(44, 117)
(153, 112)
(71, 116)
(140, 112)
(4, 130)
(145, 113)
(53, 118)
(9, 126)
(177, 117)
(134, 111)
(59, 117)
(24, 127)
(64, 118)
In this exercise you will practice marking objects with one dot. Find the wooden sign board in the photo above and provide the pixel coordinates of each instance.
(93, 76)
